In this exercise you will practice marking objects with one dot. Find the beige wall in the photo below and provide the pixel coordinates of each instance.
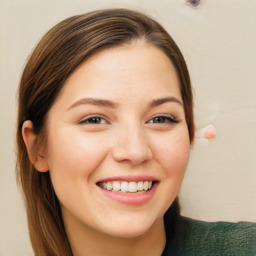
(218, 41)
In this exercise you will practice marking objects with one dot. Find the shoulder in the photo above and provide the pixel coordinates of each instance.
(192, 237)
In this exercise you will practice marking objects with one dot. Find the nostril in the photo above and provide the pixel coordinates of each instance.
(132, 154)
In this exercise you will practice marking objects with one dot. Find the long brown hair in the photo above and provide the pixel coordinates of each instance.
(56, 56)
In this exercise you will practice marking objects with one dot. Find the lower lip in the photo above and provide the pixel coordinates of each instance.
(131, 198)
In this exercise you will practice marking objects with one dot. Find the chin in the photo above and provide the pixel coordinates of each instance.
(133, 227)
(129, 232)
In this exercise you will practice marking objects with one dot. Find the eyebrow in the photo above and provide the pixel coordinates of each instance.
(160, 101)
(95, 102)
(111, 104)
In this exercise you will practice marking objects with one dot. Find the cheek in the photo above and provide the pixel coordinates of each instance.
(174, 154)
(72, 156)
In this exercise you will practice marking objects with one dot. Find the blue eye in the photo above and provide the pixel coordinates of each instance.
(162, 120)
(94, 120)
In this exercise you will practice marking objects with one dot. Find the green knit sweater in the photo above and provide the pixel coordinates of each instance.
(187, 237)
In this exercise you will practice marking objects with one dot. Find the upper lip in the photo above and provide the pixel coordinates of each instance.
(129, 178)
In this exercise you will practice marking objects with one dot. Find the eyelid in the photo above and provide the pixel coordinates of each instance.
(168, 116)
(86, 118)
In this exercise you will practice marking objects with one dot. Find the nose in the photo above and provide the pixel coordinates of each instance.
(132, 146)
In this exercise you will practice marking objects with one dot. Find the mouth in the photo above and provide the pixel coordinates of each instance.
(129, 190)
(127, 187)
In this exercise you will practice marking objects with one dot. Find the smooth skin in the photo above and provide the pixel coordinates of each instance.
(119, 114)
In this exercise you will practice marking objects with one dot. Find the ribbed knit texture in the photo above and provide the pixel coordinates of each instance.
(187, 237)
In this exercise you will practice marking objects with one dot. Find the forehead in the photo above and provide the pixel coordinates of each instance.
(131, 71)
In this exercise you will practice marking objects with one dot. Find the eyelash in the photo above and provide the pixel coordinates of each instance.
(89, 120)
(167, 119)
(96, 120)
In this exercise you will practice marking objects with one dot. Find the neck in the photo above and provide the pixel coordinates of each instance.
(87, 241)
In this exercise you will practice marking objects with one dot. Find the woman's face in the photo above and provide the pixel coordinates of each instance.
(117, 127)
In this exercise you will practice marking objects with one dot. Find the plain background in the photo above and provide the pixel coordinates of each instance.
(218, 42)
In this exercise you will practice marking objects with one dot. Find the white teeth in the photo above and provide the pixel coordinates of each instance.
(132, 187)
(140, 185)
(116, 186)
(145, 185)
(124, 186)
(109, 186)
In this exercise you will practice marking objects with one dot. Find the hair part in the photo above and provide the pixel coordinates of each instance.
(57, 55)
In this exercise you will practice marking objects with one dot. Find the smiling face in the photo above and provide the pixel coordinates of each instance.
(118, 142)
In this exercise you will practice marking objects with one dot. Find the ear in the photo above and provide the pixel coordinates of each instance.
(36, 153)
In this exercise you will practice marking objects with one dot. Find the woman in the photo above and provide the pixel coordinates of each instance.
(105, 126)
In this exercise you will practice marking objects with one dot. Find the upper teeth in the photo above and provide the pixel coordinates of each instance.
(125, 186)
